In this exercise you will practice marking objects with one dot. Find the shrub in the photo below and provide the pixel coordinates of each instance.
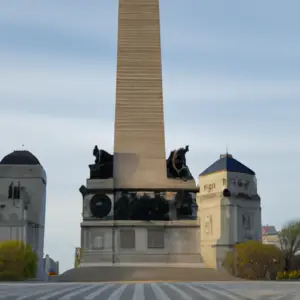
(254, 260)
(291, 275)
(78, 255)
(17, 261)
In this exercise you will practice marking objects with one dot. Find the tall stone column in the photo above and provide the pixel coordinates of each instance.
(139, 146)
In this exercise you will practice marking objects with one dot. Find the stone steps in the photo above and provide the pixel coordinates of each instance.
(105, 274)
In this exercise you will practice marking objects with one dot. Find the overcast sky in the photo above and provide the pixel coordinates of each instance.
(231, 72)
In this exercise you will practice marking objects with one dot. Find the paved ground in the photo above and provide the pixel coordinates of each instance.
(150, 291)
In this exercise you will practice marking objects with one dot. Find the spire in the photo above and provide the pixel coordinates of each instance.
(139, 144)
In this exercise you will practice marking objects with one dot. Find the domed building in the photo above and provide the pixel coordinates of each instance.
(20, 157)
(23, 200)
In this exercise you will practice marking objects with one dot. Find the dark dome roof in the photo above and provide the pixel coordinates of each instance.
(227, 163)
(20, 157)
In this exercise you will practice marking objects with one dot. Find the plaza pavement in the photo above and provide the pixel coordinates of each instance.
(151, 291)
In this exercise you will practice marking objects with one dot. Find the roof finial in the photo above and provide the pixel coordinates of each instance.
(226, 148)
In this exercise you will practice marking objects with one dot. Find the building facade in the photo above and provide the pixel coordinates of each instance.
(51, 266)
(23, 201)
(229, 208)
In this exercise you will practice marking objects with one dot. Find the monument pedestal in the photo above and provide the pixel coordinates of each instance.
(140, 243)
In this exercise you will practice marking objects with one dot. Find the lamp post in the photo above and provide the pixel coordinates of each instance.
(113, 242)
(235, 258)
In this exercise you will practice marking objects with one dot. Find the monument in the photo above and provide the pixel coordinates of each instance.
(141, 208)
(138, 205)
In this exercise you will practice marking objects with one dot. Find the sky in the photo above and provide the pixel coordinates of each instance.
(231, 72)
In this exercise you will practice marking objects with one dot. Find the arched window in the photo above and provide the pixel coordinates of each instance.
(17, 192)
(10, 191)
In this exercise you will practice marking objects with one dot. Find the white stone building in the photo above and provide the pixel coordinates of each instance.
(229, 208)
(50, 265)
(23, 201)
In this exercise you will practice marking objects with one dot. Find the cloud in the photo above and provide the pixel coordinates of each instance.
(74, 89)
(69, 17)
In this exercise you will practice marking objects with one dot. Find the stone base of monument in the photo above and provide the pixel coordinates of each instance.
(140, 242)
(143, 274)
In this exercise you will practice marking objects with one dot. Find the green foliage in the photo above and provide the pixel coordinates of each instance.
(254, 260)
(292, 275)
(17, 261)
(77, 258)
(289, 238)
(76, 263)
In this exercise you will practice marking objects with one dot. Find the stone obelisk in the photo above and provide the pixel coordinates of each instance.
(139, 145)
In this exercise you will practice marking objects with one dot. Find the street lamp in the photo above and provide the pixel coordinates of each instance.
(235, 258)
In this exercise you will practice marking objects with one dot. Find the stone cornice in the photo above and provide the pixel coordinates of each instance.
(111, 223)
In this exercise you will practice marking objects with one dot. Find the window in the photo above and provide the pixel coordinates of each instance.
(127, 239)
(98, 242)
(156, 238)
(248, 221)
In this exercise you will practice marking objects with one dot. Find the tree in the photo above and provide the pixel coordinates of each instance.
(289, 238)
(17, 261)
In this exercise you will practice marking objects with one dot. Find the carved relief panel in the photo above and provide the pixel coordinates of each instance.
(240, 186)
(248, 225)
(209, 188)
(208, 225)
(240, 183)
